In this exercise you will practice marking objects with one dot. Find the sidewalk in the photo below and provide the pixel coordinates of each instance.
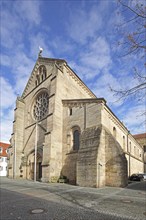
(129, 202)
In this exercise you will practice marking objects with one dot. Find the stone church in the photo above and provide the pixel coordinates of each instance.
(61, 130)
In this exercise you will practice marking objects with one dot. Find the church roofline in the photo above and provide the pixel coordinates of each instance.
(51, 59)
(40, 59)
(93, 95)
(62, 60)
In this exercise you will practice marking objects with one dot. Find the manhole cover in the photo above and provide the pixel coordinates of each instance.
(126, 201)
(37, 211)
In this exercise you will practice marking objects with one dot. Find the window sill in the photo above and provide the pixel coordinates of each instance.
(72, 152)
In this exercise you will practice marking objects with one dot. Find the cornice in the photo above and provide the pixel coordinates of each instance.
(82, 102)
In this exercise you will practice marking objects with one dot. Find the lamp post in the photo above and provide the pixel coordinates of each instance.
(14, 160)
(35, 152)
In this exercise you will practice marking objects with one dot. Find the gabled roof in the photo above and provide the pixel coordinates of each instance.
(4, 147)
(39, 60)
(56, 62)
(139, 136)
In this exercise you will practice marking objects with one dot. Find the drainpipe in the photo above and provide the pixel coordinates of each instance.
(128, 151)
(99, 165)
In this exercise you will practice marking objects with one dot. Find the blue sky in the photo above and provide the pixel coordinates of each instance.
(84, 33)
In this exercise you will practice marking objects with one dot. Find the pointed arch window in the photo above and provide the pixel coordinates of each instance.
(41, 74)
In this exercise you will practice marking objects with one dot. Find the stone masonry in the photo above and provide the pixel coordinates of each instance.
(61, 130)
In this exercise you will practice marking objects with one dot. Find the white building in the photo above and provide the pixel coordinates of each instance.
(3, 158)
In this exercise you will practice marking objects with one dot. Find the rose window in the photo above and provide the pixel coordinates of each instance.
(41, 104)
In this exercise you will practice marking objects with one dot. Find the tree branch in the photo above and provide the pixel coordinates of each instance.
(126, 6)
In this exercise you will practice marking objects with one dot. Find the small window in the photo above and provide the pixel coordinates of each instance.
(70, 111)
(124, 142)
(1, 168)
(1, 159)
(114, 132)
(144, 147)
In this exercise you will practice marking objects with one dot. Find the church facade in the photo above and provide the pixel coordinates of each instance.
(62, 130)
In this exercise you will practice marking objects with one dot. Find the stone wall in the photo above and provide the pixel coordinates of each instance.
(116, 163)
(87, 164)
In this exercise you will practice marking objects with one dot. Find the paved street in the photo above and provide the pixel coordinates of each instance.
(26, 200)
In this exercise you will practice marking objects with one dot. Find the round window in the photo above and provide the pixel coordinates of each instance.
(40, 108)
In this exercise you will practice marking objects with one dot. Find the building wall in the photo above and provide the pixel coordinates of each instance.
(105, 143)
(128, 144)
(61, 83)
(141, 139)
(100, 160)
(105, 153)
(3, 166)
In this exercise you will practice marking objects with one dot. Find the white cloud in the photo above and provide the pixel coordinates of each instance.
(98, 54)
(135, 119)
(6, 124)
(5, 60)
(16, 19)
(7, 94)
(101, 87)
(84, 24)
(29, 11)
(94, 60)
(8, 98)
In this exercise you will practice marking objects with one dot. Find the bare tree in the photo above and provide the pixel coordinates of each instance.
(134, 42)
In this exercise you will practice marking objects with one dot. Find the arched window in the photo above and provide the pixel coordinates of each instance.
(134, 150)
(42, 77)
(42, 74)
(76, 140)
(114, 132)
(130, 147)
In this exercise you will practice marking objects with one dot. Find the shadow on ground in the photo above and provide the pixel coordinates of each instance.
(137, 185)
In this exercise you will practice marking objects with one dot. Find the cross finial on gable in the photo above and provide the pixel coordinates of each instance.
(40, 51)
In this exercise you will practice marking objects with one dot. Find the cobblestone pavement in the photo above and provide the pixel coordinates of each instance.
(62, 201)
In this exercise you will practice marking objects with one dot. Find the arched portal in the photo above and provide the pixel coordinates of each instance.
(30, 166)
